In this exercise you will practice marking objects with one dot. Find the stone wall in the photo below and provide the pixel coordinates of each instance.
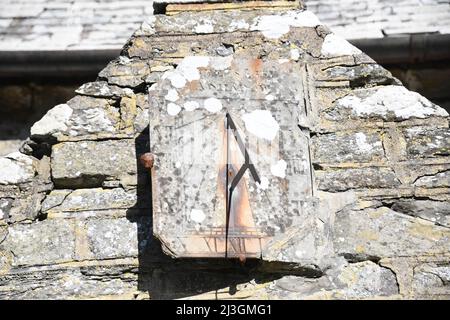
(75, 206)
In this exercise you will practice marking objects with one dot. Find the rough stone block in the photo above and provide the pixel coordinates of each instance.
(432, 280)
(46, 242)
(101, 89)
(126, 72)
(354, 281)
(5, 207)
(345, 179)
(89, 199)
(434, 211)
(82, 117)
(59, 282)
(383, 232)
(344, 147)
(388, 103)
(87, 164)
(441, 179)
(16, 168)
(356, 75)
(427, 142)
(117, 238)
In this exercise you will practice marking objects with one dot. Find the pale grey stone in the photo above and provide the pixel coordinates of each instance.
(16, 168)
(383, 232)
(102, 89)
(90, 163)
(360, 75)
(441, 179)
(53, 122)
(26, 206)
(89, 199)
(5, 207)
(59, 282)
(345, 179)
(351, 281)
(342, 147)
(81, 117)
(434, 211)
(126, 72)
(432, 280)
(426, 142)
(44, 242)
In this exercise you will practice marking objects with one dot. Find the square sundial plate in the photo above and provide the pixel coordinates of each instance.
(232, 166)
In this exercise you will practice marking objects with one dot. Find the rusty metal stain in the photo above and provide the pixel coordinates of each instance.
(256, 66)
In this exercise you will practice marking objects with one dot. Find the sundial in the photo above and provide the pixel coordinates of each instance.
(232, 169)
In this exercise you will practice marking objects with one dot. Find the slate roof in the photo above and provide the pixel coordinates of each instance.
(107, 24)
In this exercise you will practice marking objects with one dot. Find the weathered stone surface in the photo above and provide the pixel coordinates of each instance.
(117, 238)
(383, 232)
(426, 143)
(54, 121)
(128, 112)
(389, 103)
(26, 206)
(344, 147)
(304, 42)
(272, 24)
(90, 163)
(191, 108)
(101, 89)
(5, 207)
(362, 280)
(82, 117)
(356, 75)
(434, 211)
(89, 199)
(72, 282)
(336, 46)
(16, 168)
(345, 179)
(126, 72)
(46, 242)
(432, 280)
(353, 281)
(441, 179)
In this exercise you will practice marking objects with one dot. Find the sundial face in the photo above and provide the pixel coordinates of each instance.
(232, 166)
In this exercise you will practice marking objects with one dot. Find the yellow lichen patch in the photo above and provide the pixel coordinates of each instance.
(82, 249)
(322, 295)
(428, 231)
(349, 277)
(5, 262)
(139, 43)
(360, 249)
(128, 112)
(375, 214)
(368, 235)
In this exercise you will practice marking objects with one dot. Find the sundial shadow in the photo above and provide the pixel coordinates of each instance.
(164, 277)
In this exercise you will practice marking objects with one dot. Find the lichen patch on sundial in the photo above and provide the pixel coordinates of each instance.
(227, 147)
